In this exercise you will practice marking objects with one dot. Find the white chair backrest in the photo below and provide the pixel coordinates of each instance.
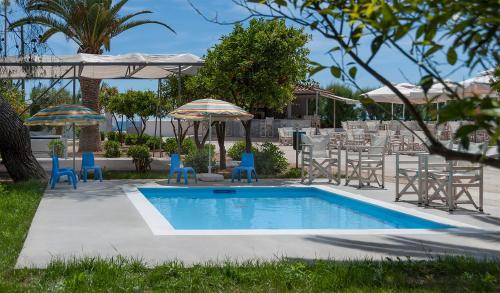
(319, 144)
(378, 144)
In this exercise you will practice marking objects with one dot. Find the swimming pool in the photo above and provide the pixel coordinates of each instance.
(274, 208)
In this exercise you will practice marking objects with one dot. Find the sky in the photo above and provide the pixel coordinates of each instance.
(195, 35)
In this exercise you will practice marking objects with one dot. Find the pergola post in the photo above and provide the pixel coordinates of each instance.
(74, 128)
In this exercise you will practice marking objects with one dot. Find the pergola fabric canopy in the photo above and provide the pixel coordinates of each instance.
(127, 66)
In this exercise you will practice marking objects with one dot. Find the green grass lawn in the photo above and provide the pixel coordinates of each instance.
(18, 203)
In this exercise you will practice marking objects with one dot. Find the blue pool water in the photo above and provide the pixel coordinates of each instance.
(206, 208)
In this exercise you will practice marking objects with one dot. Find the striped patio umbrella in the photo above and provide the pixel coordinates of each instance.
(210, 110)
(64, 114)
(205, 109)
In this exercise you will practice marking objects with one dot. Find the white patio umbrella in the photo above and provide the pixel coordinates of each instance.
(210, 110)
(386, 95)
(479, 85)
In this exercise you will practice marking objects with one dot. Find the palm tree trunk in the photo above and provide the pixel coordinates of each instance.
(15, 146)
(90, 140)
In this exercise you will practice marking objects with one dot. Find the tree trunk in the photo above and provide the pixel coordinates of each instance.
(199, 143)
(248, 136)
(15, 146)
(220, 129)
(90, 140)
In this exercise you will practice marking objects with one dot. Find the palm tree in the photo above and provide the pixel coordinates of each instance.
(91, 24)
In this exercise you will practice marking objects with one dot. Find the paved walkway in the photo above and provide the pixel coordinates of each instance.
(99, 220)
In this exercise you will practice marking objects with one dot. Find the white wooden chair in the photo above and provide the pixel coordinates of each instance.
(410, 173)
(319, 158)
(452, 184)
(367, 167)
(285, 135)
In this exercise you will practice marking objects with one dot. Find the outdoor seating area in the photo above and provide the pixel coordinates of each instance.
(249, 146)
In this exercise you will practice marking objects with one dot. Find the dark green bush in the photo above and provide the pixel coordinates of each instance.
(198, 160)
(56, 146)
(153, 142)
(237, 149)
(130, 138)
(170, 146)
(112, 136)
(270, 160)
(142, 139)
(141, 157)
(112, 149)
(293, 173)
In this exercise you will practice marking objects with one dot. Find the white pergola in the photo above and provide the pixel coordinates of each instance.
(73, 67)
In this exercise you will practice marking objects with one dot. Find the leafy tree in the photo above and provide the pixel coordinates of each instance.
(344, 111)
(91, 24)
(464, 33)
(49, 98)
(130, 104)
(110, 102)
(255, 66)
(13, 95)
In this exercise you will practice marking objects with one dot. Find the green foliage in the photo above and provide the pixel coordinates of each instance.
(170, 146)
(237, 149)
(13, 95)
(50, 98)
(198, 160)
(254, 66)
(343, 111)
(112, 135)
(153, 142)
(130, 139)
(293, 173)
(56, 146)
(270, 160)
(112, 149)
(141, 157)
(130, 104)
(436, 37)
(90, 24)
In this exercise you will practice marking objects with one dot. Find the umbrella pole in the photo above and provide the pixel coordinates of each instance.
(404, 112)
(209, 144)
(74, 142)
(437, 112)
(392, 111)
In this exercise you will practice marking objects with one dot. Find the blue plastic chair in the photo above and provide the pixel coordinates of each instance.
(88, 163)
(247, 165)
(175, 167)
(58, 172)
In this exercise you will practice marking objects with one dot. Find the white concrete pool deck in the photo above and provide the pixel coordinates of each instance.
(99, 219)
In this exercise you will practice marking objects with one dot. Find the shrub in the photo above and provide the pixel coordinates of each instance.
(112, 149)
(270, 160)
(170, 146)
(153, 142)
(143, 139)
(56, 146)
(103, 135)
(130, 139)
(198, 160)
(237, 149)
(293, 173)
(112, 136)
(141, 157)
